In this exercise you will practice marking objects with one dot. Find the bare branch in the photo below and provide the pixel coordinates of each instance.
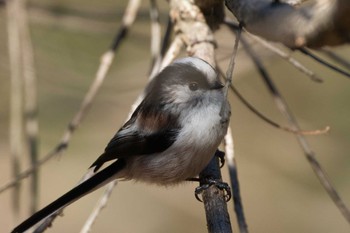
(230, 68)
(191, 25)
(236, 194)
(30, 103)
(310, 155)
(288, 58)
(323, 62)
(172, 52)
(16, 109)
(342, 61)
(246, 103)
(102, 203)
(155, 36)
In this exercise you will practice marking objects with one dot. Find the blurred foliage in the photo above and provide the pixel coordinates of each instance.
(280, 192)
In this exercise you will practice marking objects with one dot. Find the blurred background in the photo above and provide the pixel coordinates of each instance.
(279, 190)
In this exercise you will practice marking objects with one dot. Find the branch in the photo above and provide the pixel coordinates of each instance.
(218, 219)
(191, 26)
(155, 36)
(323, 62)
(16, 109)
(236, 194)
(102, 203)
(315, 25)
(310, 155)
(30, 103)
(342, 61)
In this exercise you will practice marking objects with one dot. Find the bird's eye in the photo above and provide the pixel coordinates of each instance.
(193, 86)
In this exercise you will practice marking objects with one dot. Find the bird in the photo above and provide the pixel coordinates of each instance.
(170, 137)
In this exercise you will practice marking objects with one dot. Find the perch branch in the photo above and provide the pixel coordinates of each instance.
(218, 219)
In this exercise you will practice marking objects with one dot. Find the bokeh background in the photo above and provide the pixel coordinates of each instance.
(279, 190)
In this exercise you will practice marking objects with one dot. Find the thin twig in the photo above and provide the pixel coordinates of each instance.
(102, 203)
(261, 69)
(16, 126)
(173, 51)
(323, 62)
(295, 63)
(238, 207)
(236, 194)
(280, 53)
(310, 155)
(342, 61)
(230, 68)
(30, 103)
(164, 46)
(48, 221)
(155, 37)
(273, 123)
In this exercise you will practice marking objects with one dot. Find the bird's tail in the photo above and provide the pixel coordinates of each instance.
(99, 179)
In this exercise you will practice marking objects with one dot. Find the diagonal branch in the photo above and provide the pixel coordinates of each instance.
(323, 62)
(310, 155)
(342, 61)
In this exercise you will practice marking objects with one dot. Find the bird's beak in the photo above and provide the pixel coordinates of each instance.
(217, 85)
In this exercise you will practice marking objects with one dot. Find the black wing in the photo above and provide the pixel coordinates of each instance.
(156, 130)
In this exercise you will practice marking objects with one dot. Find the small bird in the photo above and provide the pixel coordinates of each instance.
(171, 136)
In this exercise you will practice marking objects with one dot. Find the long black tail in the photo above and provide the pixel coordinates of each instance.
(72, 195)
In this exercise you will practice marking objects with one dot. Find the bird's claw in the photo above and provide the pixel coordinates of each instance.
(221, 155)
(219, 184)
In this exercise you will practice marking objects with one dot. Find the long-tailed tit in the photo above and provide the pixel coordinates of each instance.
(171, 136)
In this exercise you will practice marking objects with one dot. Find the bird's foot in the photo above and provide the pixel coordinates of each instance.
(221, 155)
(218, 183)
